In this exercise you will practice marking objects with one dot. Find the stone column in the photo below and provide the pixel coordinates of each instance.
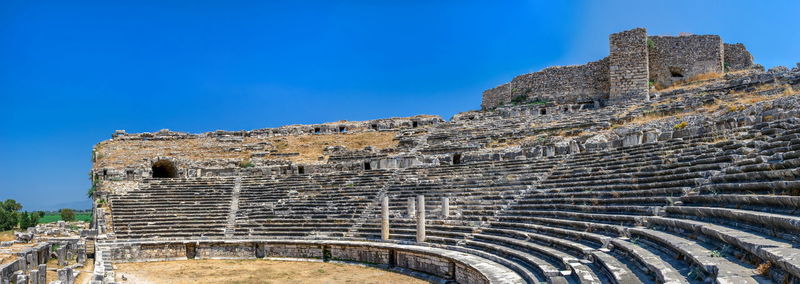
(42, 273)
(70, 275)
(420, 218)
(411, 210)
(81, 252)
(62, 275)
(22, 279)
(445, 207)
(23, 263)
(385, 218)
(62, 256)
(70, 249)
(34, 279)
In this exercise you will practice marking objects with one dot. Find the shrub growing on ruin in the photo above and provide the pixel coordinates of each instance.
(27, 220)
(519, 99)
(92, 189)
(246, 164)
(9, 217)
(680, 126)
(67, 214)
(8, 220)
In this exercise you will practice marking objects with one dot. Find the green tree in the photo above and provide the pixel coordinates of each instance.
(24, 220)
(11, 205)
(67, 214)
(8, 220)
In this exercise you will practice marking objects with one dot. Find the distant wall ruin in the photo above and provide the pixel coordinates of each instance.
(628, 65)
(678, 58)
(635, 63)
(558, 84)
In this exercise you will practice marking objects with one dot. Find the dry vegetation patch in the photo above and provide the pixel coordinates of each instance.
(7, 236)
(690, 81)
(310, 147)
(254, 271)
(121, 153)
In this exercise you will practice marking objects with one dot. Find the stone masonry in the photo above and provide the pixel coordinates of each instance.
(635, 63)
(628, 66)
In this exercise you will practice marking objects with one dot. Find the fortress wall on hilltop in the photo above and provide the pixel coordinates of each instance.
(737, 57)
(634, 60)
(675, 58)
(558, 84)
(628, 65)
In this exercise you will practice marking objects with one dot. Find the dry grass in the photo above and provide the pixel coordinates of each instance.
(86, 272)
(651, 117)
(121, 153)
(505, 143)
(7, 236)
(254, 271)
(704, 76)
(689, 81)
(310, 147)
(739, 101)
(763, 269)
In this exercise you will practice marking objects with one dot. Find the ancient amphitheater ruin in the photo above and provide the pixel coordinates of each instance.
(673, 160)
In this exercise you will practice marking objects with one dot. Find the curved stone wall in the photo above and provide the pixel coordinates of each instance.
(438, 263)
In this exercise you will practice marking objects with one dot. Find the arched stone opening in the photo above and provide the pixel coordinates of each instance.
(164, 169)
(675, 72)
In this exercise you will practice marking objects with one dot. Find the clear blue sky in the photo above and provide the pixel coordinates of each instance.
(71, 72)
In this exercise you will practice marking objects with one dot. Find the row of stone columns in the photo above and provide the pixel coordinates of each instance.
(415, 210)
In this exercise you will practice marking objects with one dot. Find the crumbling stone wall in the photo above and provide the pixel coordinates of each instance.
(374, 255)
(436, 262)
(466, 274)
(294, 250)
(430, 264)
(634, 60)
(628, 65)
(558, 84)
(130, 156)
(676, 58)
(234, 250)
(737, 57)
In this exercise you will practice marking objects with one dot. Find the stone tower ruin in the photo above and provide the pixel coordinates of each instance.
(628, 70)
(636, 63)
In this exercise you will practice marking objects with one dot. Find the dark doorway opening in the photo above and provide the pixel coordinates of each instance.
(342, 129)
(316, 130)
(301, 170)
(367, 166)
(456, 159)
(543, 111)
(164, 169)
(675, 72)
(374, 127)
(414, 124)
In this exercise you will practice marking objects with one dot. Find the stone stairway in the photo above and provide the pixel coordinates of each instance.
(369, 211)
(237, 188)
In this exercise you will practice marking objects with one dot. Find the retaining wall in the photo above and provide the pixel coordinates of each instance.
(438, 263)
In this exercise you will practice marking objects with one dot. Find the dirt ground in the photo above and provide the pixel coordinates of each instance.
(6, 236)
(253, 271)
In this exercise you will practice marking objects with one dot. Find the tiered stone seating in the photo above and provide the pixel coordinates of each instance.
(173, 208)
(475, 192)
(643, 202)
(718, 208)
(316, 206)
